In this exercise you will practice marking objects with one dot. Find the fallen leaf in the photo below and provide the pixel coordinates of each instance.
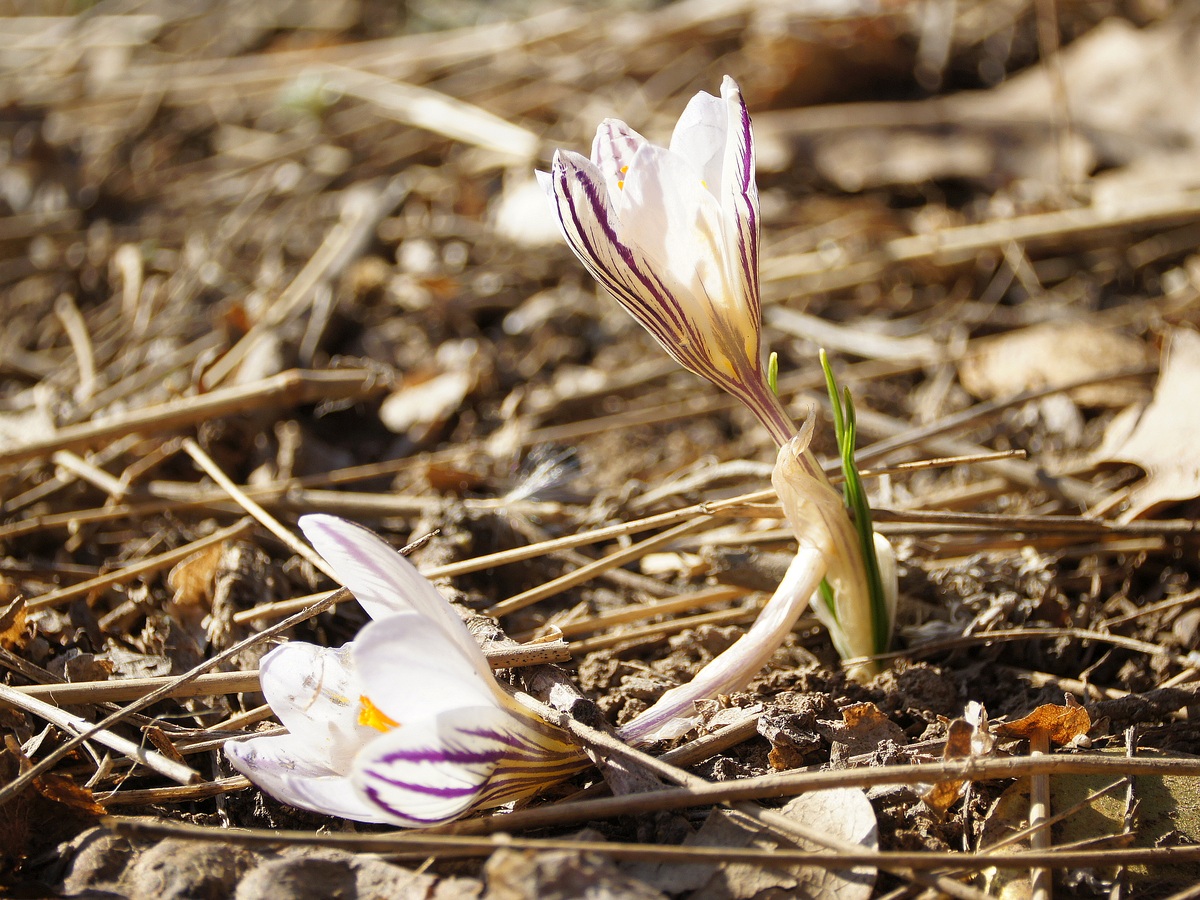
(1164, 440)
(842, 813)
(1063, 724)
(192, 579)
(13, 631)
(862, 729)
(1051, 356)
(966, 738)
(1168, 812)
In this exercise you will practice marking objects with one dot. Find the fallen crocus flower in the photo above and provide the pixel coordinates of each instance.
(405, 725)
(673, 233)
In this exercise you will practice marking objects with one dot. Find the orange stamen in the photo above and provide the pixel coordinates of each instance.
(373, 717)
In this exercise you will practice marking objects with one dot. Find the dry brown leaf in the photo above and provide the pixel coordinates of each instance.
(862, 729)
(1063, 724)
(1049, 356)
(1165, 438)
(192, 579)
(968, 737)
(12, 625)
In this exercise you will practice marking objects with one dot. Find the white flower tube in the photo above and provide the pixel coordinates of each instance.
(673, 233)
(404, 725)
(828, 548)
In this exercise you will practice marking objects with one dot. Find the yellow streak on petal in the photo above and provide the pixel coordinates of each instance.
(373, 717)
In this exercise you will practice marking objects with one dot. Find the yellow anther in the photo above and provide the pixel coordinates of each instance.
(373, 717)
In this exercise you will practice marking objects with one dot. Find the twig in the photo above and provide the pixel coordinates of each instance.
(293, 543)
(792, 784)
(422, 844)
(217, 683)
(583, 573)
(77, 725)
(292, 388)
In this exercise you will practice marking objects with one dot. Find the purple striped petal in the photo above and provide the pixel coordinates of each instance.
(435, 770)
(593, 230)
(281, 766)
(739, 198)
(673, 234)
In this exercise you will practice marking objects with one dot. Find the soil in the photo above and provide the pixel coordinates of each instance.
(239, 236)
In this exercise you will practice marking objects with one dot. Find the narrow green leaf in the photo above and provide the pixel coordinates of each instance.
(845, 424)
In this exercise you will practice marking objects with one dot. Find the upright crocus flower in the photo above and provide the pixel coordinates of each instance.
(673, 233)
(404, 725)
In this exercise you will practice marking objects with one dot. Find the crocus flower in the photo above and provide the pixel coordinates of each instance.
(406, 724)
(673, 233)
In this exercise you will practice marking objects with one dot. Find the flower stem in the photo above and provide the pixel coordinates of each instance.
(768, 408)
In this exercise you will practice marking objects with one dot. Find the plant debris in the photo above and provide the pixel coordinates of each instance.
(266, 260)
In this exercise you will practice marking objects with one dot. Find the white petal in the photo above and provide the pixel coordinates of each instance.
(384, 581)
(739, 200)
(668, 213)
(613, 150)
(314, 691)
(699, 137)
(432, 770)
(410, 670)
(279, 765)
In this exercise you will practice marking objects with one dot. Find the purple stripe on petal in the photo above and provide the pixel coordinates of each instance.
(443, 755)
(663, 316)
(376, 797)
(426, 789)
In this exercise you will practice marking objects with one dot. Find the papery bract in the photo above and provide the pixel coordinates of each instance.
(818, 518)
(405, 724)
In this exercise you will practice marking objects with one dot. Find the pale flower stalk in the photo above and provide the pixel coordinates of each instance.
(405, 725)
(828, 548)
